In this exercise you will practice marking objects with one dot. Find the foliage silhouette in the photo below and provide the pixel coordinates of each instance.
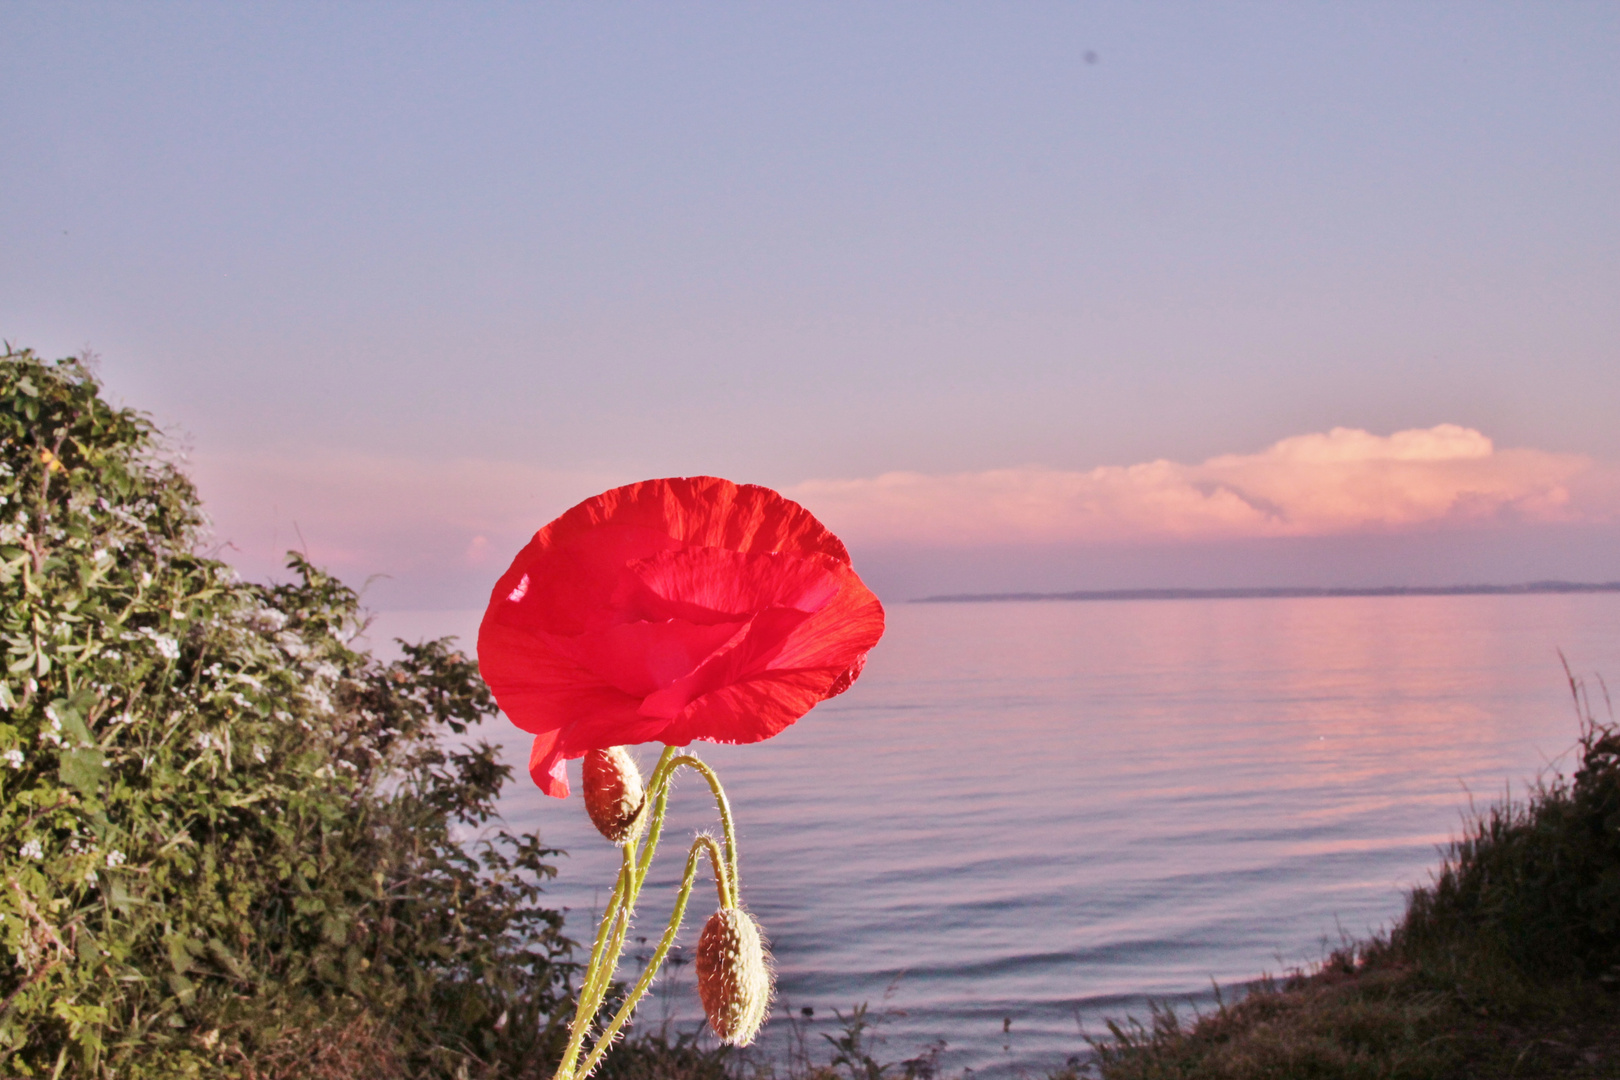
(232, 841)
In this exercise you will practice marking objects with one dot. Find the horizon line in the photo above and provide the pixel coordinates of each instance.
(1278, 593)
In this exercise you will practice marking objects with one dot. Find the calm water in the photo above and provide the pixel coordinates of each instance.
(1027, 817)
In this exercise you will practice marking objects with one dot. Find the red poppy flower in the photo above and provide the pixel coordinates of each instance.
(668, 611)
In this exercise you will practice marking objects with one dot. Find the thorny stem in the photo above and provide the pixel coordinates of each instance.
(615, 925)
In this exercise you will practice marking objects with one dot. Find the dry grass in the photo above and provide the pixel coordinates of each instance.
(1367, 1015)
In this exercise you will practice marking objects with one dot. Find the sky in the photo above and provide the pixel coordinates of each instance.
(1023, 296)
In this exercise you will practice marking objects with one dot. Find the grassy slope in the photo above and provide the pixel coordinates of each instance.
(1508, 965)
(1370, 1014)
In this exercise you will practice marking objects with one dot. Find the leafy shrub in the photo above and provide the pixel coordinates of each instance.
(232, 842)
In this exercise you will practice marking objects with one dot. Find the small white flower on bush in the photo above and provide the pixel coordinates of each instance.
(51, 736)
(14, 758)
(32, 850)
(115, 859)
(167, 647)
(267, 620)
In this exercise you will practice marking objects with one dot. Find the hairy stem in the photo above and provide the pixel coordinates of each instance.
(660, 780)
(598, 974)
(638, 851)
(701, 844)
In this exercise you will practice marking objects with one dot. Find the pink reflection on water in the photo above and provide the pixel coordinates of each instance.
(1031, 808)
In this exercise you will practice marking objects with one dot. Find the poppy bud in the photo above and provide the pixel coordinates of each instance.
(733, 976)
(612, 791)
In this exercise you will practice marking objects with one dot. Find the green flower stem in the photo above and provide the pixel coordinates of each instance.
(657, 797)
(638, 852)
(606, 933)
(667, 769)
(597, 974)
(701, 843)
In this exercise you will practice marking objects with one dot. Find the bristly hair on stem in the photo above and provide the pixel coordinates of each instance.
(639, 844)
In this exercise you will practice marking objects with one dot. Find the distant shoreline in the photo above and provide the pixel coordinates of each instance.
(1281, 594)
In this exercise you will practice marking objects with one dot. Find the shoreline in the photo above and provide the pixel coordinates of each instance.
(1533, 588)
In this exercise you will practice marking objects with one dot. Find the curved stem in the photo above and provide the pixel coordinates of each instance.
(660, 781)
(717, 865)
(638, 851)
(702, 843)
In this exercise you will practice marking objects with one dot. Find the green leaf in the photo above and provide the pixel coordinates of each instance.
(83, 770)
(119, 897)
(222, 956)
(184, 989)
(67, 712)
(179, 954)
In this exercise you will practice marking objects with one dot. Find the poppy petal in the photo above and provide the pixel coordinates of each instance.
(747, 654)
(750, 711)
(715, 584)
(540, 690)
(639, 658)
(673, 610)
(838, 635)
(548, 767)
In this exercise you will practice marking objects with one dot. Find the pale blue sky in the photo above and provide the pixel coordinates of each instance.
(789, 242)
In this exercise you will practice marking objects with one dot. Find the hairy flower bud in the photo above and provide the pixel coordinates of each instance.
(733, 976)
(612, 791)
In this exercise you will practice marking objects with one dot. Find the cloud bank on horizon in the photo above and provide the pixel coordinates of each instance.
(463, 519)
(1342, 481)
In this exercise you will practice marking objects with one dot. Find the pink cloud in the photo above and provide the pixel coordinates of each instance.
(359, 514)
(1340, 482)
(438, 530)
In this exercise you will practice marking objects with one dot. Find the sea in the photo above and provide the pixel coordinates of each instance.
(1029, 818)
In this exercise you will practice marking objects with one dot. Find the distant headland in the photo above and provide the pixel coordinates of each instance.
(1282, 593)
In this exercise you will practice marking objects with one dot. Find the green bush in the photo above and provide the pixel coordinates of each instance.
(232, 842)
(1535, 884)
